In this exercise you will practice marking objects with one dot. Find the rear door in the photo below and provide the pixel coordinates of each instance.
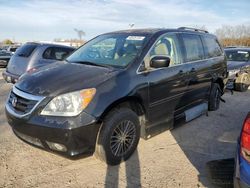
(199, 69)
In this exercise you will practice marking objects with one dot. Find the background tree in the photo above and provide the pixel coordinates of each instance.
(238, 35)
(7, 42)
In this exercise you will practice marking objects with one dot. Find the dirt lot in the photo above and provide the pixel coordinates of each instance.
(175, 158)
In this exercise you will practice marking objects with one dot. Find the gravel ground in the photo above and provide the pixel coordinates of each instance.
(176, 158)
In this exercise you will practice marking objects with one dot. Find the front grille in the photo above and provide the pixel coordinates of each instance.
(21, 105)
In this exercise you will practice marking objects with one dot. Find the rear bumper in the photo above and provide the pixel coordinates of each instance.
(3, 63)
(66, 136)
(9, 77)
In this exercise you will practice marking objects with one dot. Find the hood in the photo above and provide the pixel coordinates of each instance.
(63, 77)
(231, 65)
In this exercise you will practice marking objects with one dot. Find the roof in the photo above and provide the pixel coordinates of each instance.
(152, 31)
(140, 31)
(50, 44)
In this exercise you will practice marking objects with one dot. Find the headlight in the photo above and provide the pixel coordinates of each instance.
(69, 104)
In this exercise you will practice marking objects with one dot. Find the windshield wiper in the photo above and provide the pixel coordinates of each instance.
(92, 63)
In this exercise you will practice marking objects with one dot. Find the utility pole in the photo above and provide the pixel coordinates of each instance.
(80, 33)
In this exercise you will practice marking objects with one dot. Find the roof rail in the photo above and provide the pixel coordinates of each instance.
(193, 29)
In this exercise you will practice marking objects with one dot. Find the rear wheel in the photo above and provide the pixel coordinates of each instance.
(214, 98)
(118, 137)
(242, 82)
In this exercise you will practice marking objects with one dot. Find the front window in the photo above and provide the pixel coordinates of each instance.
(166, 45)
(116, 50)
(237, 55)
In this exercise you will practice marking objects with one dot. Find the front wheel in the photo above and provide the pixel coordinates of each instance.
(118, 137)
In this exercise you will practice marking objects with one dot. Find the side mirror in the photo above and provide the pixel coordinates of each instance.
(159, 61)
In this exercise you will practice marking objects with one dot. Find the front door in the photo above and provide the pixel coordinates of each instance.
(168, 85)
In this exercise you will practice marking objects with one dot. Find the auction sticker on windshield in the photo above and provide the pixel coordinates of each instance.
(135, 38)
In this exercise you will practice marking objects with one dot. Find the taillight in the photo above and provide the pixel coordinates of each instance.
(245, 139)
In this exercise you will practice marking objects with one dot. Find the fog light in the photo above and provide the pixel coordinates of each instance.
(56, 146)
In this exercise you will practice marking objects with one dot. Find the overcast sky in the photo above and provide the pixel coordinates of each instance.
(27, 20)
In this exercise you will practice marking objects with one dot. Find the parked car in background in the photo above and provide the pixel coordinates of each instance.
(242, 160)
(238, 62)
(116, 88)
(12, 49)
(4, 58)
(5, 47)
(32, 56)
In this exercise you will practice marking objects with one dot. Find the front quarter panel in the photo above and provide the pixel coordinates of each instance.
(124, 84)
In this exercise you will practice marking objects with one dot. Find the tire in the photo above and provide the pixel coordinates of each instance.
(214, 97)
(112, 146)
(242, 82)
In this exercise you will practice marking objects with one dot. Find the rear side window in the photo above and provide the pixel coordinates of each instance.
(26, 50)
(56, 53)
(193, 47)
(212, 47)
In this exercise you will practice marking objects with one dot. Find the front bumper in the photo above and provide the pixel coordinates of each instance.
(68, 136)
(46, 131)
(9, 77)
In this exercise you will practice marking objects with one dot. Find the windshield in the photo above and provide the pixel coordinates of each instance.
(237, 55)
(116, 50)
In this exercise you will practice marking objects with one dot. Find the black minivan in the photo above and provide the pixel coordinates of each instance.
(116, 88)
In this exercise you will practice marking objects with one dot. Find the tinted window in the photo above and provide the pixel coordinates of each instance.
(3, 53)
(56, 53)
(193, 47)
(167, 45)
(237, 55)
(212, 47)
(26, 50)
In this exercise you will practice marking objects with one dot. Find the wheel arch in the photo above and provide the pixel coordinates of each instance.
(220, 82)
(133, 102)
